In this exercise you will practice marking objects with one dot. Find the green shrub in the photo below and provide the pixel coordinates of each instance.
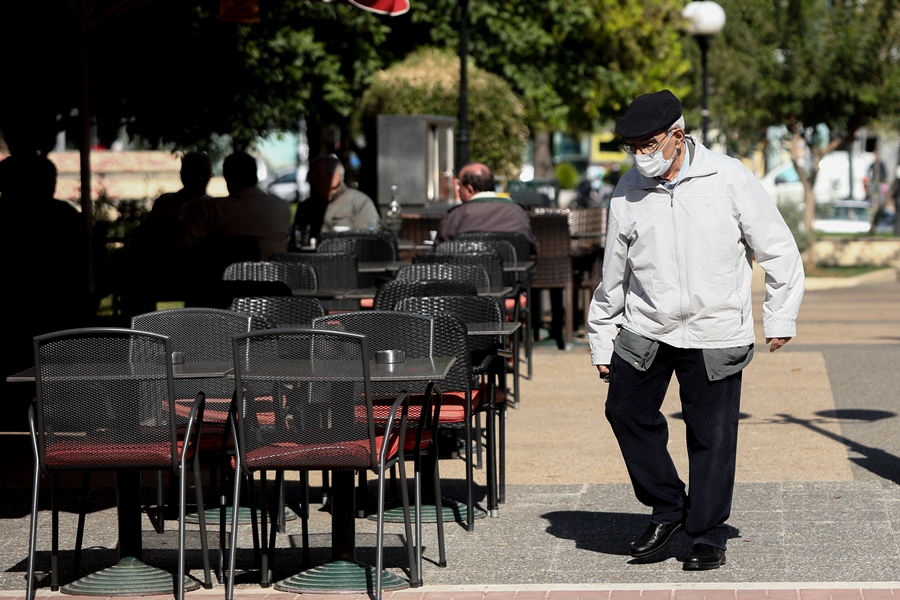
(427, 82)
(567, 175)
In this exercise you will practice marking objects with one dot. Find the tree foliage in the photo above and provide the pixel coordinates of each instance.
(801, 63)
(572, 63)
(427, 82)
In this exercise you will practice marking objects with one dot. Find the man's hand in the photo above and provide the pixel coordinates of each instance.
(604, 370)
(776, 343)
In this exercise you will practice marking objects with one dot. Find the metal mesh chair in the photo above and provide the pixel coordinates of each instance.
(433, 271)
(389, 294)
(488, 360)
(506, 251)
(319, 386)
(106, 401)
(524, 251)
(334, 271)
(292, 311)
(295, 276)
(376, 247)
(490, 261)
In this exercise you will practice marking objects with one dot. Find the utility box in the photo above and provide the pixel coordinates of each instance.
(415, 153)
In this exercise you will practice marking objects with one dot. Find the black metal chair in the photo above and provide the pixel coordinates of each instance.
(433, 271)
(294, 311)
(492, 262)
(389, 294)
(524, 251)
(320, 422)
(334, 271)
(106, 401)
(202, 334)
(295, 276)
(374, 247)
(415, 335)
(488, 356)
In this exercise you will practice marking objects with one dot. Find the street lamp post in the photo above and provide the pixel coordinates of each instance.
(705, 20)
(462, 136)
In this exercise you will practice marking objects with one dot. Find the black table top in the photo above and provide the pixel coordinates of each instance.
(412, 369)
(107, 371)
(504, 328)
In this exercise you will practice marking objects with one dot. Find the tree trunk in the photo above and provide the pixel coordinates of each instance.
(543, 158)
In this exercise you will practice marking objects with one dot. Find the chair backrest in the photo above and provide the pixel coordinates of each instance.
(105, 400)
(491, 261)
(506, 251)
(334, 271)
(416, 334)
(295, 276)
(202, 334)
(471, 309)
(518, 240)
(432, 271)
(389, 294)
(554, 267)
(367, 248)
(588, 227)
(294, 311)
(305, 402)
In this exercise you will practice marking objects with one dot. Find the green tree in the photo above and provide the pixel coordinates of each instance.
(427, 82)
(801, 63)
(572, 63)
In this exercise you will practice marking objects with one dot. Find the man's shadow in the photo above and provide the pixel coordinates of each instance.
(613, 532)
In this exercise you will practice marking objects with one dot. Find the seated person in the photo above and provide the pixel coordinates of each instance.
(483, 209)
(332, 203)
(160, 226)
(246, 211)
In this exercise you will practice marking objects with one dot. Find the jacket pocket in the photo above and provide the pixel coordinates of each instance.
(636, 350)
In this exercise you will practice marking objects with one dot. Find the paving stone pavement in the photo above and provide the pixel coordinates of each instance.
(816, 511)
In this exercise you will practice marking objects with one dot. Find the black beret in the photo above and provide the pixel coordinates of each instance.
(649, 114)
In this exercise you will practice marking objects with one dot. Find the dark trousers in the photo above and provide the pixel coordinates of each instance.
(711, 412)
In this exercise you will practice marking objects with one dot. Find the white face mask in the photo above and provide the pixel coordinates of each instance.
(653, 164)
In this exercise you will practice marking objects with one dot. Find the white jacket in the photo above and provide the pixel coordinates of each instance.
(677, 266)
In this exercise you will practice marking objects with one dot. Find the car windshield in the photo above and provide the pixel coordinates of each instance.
(843, 213)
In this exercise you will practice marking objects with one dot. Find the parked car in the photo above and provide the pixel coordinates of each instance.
(783, 183)
(843, 216)
(289, 184)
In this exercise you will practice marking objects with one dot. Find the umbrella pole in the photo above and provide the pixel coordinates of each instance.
(87, 205)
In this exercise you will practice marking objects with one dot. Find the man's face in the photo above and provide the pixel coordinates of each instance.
(324, 186)
(667, 141)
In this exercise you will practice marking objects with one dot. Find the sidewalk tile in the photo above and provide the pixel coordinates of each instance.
(881, 594)
(774, 594)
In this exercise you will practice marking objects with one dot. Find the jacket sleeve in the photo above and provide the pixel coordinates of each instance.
(776, 252)
(608, 304)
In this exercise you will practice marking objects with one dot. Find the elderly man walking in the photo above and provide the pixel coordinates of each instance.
(675, 298)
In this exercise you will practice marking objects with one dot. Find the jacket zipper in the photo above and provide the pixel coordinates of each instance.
(681, 275)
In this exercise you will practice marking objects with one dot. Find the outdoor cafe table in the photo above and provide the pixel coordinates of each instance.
(130, 576)
(370, 293)
(344, 574)
(395, 265)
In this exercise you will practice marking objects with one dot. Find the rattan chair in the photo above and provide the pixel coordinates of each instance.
(295, 276)
(488, 356)
(392, 292)
(588, 229)
(319, 423)
(106, 401)
(554, 269)
(334, 271)
(434, 271)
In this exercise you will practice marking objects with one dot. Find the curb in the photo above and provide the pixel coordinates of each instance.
(886, 275)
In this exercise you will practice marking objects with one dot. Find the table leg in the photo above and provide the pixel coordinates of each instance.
(344, 574)
(130, 576)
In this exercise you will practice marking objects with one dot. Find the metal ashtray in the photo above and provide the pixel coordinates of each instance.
(389, 356)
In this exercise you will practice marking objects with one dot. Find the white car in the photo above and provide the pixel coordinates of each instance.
(843, 216)
(783, 183)
(288, 184)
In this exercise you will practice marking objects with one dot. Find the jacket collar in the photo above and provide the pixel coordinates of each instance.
(701, 166)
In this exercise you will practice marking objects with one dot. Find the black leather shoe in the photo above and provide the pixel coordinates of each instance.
(704, 557)
(655, 538)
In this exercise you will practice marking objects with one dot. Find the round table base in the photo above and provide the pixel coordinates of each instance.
(452, 511)
(130, 577)
(340, 577)
(244, 518)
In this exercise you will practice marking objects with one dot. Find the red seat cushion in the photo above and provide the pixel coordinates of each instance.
(453, 407)
(367, 302)
(291, 455)
(510, 303)
(99, 454)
